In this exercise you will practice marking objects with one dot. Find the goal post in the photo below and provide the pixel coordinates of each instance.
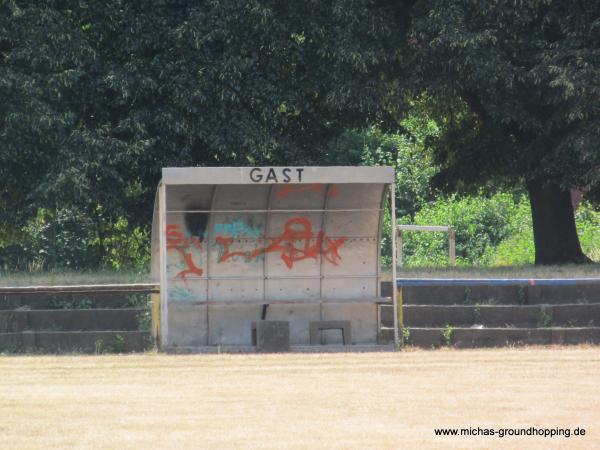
(400, 229)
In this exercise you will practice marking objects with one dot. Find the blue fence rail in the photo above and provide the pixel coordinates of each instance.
(400, 282)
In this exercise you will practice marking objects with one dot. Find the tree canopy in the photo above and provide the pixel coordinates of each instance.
(517, 87)
(98, 96)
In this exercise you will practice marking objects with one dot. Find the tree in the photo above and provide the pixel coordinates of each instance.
(516, 88)
(98, 96)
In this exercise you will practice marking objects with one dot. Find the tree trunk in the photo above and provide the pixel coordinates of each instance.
(554, 231)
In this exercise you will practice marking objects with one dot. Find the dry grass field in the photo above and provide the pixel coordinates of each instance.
(357, 400)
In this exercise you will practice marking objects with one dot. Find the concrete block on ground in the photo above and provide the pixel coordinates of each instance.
(271, 335)
(298, 316)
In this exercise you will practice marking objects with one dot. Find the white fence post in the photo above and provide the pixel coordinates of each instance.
(452, 246)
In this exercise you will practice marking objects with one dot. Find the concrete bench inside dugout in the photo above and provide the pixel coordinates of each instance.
(303, 240)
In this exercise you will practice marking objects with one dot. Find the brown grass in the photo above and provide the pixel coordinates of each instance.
(370, 400)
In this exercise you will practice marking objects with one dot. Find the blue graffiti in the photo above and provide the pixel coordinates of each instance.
(179, 293)
(237, 229)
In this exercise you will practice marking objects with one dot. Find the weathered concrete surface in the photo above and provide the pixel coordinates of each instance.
(362, 317)
(511, 316)
(64, 301)
(69, 320)
(72, 322)
(357, 348)
(298, 316)
(386, 288)
(496, 316)
(431, 316)
(497, 337)
(522, 294)
(188, 325)
(578, 293)
(464, 295)
(320, 325)
(385, 336)
(75, 341)
(13, 321)
(271, 335)
(576, 335)
(230, 325)
(576, 315)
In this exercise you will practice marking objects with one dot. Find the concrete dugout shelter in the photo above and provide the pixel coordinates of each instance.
(234, 245)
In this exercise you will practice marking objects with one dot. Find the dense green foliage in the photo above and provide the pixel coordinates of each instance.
(406, 151)
(490, 231)
(98, 96)
(516, 86)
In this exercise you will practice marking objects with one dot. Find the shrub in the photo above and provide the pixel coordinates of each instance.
(60, 238)
(481, 224)
(588, 228)
(490, 231)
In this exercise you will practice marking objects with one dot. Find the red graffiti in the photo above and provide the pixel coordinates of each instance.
(319, 188)
(225, 242)
(176, 240)
(295, 229)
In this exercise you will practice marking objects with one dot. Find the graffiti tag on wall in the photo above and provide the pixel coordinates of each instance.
(181, 294)
(178, 241)
(297, 242)
(294, 245)
(319, 188)
(237, 228)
